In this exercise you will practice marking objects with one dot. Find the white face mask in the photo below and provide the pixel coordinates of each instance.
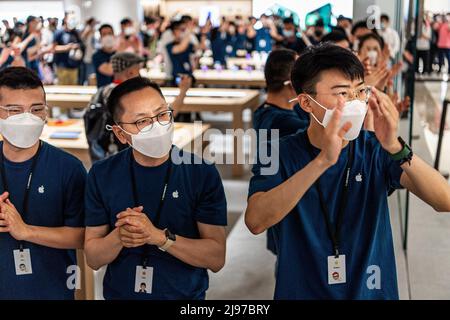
(155, 143)
(108, 41)
(72, 23)
(22, 130)
(129, 31)
(354, 112)
(373, 56)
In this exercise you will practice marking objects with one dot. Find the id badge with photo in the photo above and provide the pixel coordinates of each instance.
(22, 261)
(336, 270)
(144, 280)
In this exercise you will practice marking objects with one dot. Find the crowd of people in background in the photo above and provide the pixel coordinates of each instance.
(67, 52)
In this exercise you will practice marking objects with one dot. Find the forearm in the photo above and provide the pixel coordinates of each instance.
(102, 251)
(58, 238)
(62, 48)
(25, 42)
(426, 183)
(106, 69)
(270, 207)
(201, 253)
(182, 46)
(178, 102)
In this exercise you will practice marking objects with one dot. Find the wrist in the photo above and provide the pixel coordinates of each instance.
(158, 239)
(321, 162)
(27, 234)
(394, 147)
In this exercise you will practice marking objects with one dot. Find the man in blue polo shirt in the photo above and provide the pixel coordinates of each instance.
(102, 57)
(68, 54)
(41, 205)
(151, 219)
(180, 49)
(328, 201)
(279, 112)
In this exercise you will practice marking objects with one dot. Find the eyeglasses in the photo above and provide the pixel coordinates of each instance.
(146, 124)
(37, 110)
(362, 93)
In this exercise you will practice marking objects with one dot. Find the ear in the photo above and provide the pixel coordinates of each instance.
(121, 135)
(305, 102)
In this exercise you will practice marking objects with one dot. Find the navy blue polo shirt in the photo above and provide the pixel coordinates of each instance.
(33, 65)
(62, 59)
(98, 59)
(239, 42)
(219, 47)
(55, 200)
(194, 194)
(181, 62)
(302, 240)
(269, 116)
(263, 40)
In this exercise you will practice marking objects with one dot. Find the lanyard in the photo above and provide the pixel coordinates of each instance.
(28, 186)
(161, 201)
(335, 235)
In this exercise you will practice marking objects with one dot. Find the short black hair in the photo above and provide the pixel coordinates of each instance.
(359, 25)
(104, 26)
(176, 24)
(149, 20)
(288, 20)
(335, 36)
(17, 78)
(186, 18)
(384, 16)
(369, 36)
(314, 60)
(278, 68)
(125, 21)
(131, 85)
(342, 17)
(319, 23)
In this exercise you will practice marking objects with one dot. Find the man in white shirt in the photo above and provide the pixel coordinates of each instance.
(390, 36)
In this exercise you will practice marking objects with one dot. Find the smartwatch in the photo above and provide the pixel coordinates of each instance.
(170, 240)
(404, 155)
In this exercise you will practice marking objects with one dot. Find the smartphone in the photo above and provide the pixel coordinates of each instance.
(179, 77)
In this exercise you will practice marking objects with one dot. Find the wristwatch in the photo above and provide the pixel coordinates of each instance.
(170, 240)
(404, 155)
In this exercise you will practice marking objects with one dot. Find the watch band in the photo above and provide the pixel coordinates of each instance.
(170, 240)
(404, 155)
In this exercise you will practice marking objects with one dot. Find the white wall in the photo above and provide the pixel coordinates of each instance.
(226, 8)
(22, 9)
(437, 6)
(112, 11)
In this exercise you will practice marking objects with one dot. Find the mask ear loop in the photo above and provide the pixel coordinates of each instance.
(110, 128)
(320, 122)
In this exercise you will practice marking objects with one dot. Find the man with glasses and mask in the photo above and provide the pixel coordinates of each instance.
(41, 204)
(150, 219)
(327, 204)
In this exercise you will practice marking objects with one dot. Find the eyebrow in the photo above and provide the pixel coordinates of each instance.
(346, 86)
(157, 111)
(340, 86)
(21, 105)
